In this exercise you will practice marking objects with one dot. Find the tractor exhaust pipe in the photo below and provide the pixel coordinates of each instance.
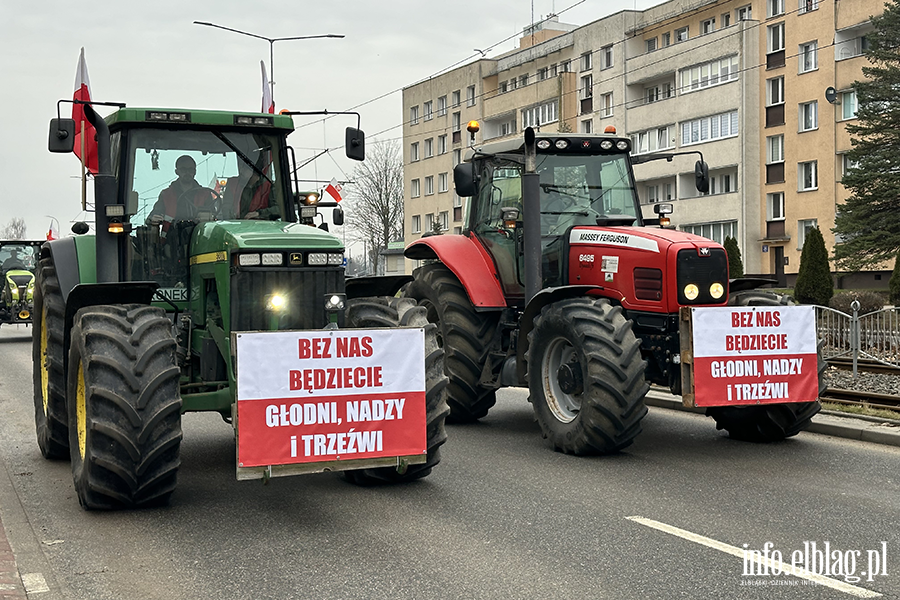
(104, 195)
(531, 218)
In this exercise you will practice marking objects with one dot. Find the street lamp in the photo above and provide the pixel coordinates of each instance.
(271, 46)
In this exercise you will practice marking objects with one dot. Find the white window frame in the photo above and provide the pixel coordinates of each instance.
(415, 189)
(806, 6)
(707, 26)
(442, 144)
(847, 164)
(586, 90)
(775, 38)
(804, 225)
(428, 149)
(652, 44)
(652, 193)
(716, 231)
(414, 152)
(470, 95)
(427, 111)
(444, 220)
(809, 116)
(606, 53)
(442, 106)
(606, 104)
(709, 74)
(429, 222)
(442, 183)
(416, 224)
(774, 8)
(808, 59)
(455, 98)
(848, 100)
(775, 206)
(775, 87)
(665, 39)
(726, 20)
(710, 129)
(652, 140)
(587, 126)
(775, 149)
(744, 13)
(414, 115)
(682, 34)
(586, 61)
(429, 185)
(807, 167)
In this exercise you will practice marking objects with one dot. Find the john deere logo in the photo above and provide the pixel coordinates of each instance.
(704, 251)
(296, 258)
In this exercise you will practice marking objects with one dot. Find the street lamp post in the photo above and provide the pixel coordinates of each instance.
(271, 46)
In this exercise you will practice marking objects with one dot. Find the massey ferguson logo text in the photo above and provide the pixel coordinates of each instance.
(581, 236)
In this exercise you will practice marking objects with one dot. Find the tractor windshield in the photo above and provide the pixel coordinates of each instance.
(21, 257)
(191, 175)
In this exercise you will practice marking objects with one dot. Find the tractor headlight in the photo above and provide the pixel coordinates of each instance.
(276, 302)
(335, 302)
(317, 259)
(691, 291)
(606, 145)
(248, 260)
(716, 290)
(271, 259)
(335, 259)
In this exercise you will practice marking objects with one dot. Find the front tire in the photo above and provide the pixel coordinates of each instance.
(586, 376)
(464, 334)
(763, 423)
(124, 407)
(48, 370)
(403, 312)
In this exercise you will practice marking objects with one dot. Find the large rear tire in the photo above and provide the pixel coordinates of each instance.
(403, 312)
(586, 376)
(766, 422)
(47, 353)
(124, 407)
(464, 334)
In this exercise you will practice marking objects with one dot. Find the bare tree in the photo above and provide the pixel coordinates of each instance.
(375, 204)
(14, 230)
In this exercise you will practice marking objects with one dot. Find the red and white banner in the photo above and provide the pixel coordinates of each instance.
(268, 103)
(83, 129)
(327, 395)
(334, 190)
(754, 355)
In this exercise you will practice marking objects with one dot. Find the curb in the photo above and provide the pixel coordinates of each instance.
(868, 429)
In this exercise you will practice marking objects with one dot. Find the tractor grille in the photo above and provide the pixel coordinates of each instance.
(702, 271)
(304, 290)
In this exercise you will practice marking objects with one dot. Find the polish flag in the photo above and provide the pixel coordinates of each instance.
(334, 190)
(52, 233)
(268, 104)
(83, 93)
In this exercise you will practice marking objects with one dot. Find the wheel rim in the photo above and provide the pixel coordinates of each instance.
(81, 412)
(45, 368)
(565, 407)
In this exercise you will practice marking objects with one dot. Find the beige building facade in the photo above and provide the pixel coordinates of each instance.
(760, 88)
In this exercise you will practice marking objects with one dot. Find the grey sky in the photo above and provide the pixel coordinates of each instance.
(151, 54)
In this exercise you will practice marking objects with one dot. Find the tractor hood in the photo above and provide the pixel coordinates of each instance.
(217, 236)
(644, 238)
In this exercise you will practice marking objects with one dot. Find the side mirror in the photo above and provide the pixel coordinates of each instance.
(355, 143)
(80, 228)
(464, 179)
(701, 176)
(62, 135)
(337, 216)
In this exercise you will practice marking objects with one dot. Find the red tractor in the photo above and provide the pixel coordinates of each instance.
(559, 284)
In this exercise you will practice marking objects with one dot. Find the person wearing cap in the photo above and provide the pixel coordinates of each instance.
(182, 199)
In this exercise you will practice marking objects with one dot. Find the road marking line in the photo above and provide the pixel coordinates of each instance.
(785, 569)
(34, 583)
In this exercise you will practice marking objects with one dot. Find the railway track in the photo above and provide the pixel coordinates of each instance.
(858, 398)
(863, 364)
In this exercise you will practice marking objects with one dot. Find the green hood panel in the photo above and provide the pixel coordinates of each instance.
(215, 236)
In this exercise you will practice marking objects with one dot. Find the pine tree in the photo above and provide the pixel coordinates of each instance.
(735, 264)
(814, 284)
(869, 221)
(894, 284)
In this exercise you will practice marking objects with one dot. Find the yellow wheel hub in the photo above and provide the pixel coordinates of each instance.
(24, 314)
(81, 411)
(45, 367)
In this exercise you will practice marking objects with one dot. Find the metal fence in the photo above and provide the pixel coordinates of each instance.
(873, 336)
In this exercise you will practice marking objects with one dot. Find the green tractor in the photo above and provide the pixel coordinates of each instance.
(200, 233)
(17, 263)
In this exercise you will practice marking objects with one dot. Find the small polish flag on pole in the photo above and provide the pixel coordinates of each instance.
(52, 233)
(334, 190)
(85, 134)
(268, 103)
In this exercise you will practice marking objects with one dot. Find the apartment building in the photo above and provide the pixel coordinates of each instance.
(741, 82)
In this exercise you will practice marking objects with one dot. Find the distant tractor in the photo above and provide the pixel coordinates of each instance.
(17, 265)
(559, 284)
(135, 323)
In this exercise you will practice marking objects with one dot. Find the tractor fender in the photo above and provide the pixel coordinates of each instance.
(65, 259)
(468, 260)
(533, 309)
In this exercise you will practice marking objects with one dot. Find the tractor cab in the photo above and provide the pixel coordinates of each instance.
(17, 264)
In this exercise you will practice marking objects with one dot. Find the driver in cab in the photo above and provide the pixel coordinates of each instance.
(182, 199)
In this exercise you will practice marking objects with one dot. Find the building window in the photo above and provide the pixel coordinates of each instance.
(681, 35)
(508, 127)
(607, 53)
(444, 220)
(553, 70)
(587, 126)
(709, 74)
(809, 57)
(504, 87)
(442, 106)
(540, 115)
(776, 38)
(455, 121)
(542, 73)
(713, 231)
(775, 91)
(587, 87)
(429, 147)
(774, 8)
(808, 178)
(414, 152)
(429, 222)
(708, 129)
(803, 228)
(442, 144)
(658, 92)
(726, 20)
(808, 6)
(744, 13)
(414, 115)
(429, 185)
(586, 61)
(523, 80)
(847, 164)
(669, 191)
(513, 83)
(606, 105)
(651, 44)
(470, 95)
(457, 157)
(442, 183)
(454, 98)
(851, 48)
(809, 116)
(652, 140)
(708, 26)
(426, 109)
(565, 66)
(652, 193)
(416, 224)
(848, 105)
(774, 149)
(414, 191)
(666, 39)
(775, 206)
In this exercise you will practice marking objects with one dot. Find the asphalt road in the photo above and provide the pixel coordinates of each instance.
(503, 516)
